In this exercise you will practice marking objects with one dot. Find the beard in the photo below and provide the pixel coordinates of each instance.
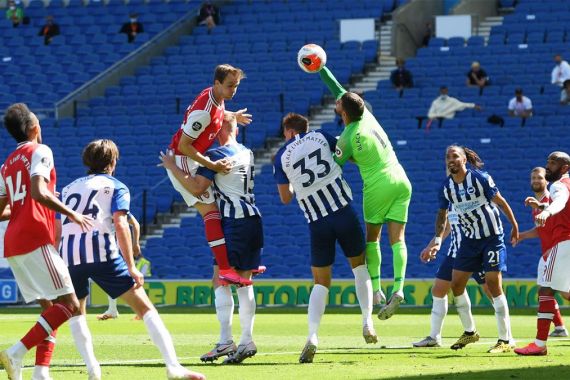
(537, 188)
(552, 176)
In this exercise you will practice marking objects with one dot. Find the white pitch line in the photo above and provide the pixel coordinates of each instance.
(325, 351)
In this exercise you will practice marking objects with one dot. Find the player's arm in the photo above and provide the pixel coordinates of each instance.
(506, 209)
(560, 196)
(426, 254)
(57, 237)
(134, 223)
(195, 185)
(343, 150)
(6, 212)
(123, 233)
(528, 234)
(286, 193)
(242, 118)
(334, 87)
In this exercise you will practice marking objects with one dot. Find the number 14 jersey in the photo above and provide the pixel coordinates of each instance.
(99, 196)
(307, 163)
(31, 225)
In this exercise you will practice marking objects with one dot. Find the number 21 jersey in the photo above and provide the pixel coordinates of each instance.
(31, 225)
(306, 161)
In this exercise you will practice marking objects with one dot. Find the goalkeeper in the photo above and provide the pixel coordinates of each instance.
(387, 190)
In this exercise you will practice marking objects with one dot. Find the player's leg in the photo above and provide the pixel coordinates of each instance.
(494, 263)
(44, 351)
(439, 290)
(216, 240)
(82, 337)
(559, 328)
(40, 274)
(374, 260)
(323, 241)
(351, 239)
(459, 280)
(111, 312)
(137, 299)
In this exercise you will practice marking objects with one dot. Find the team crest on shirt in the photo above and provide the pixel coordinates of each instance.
(107, 190)
(212, 136)
(470, 190)
(338, 151)
(196, 126)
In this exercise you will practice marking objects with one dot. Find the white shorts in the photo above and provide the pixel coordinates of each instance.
(41, 274)
(556, 274)
(190, 166)
(540, 271)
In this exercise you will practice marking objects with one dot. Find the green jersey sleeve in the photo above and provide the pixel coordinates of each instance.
(343, 150)
(335, 88)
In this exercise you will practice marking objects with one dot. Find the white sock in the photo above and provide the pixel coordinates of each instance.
(463, 306)
(83, 341)
(18, 350)
(112, 306)
(224, 311)
(363, 286)
(246, 300)
(41, 372)
(503, 320)
(540, 343)
(161, 338)
(438, 313)
(317, 303)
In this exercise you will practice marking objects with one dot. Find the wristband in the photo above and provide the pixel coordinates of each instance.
(437, 240)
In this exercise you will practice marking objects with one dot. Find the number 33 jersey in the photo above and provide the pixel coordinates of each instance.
(31, 225)
(99, 196)
(306, 162)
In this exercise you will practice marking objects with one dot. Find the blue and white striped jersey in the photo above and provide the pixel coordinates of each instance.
(478, 216)
(98, 196)
(307, 162)
(234, 191)
(453, 220)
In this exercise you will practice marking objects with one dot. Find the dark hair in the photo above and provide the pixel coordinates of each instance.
(222, 72)
(296, 122)
(18, 121)
(98, 155)
(471, 156)
(353, 105)
(518, 91)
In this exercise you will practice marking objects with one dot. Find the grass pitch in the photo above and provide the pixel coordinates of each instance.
(126, 352)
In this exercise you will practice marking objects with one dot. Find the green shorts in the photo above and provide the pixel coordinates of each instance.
(388, 198)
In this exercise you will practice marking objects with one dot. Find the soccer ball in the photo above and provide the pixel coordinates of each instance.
(311, 58)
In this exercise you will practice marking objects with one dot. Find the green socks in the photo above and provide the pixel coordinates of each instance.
(400, 260)
(373, 260)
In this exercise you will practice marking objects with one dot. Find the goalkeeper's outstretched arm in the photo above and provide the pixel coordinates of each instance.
(335, 88)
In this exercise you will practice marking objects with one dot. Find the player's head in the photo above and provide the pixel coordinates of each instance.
(538, 180)
(558, 59)
(101, 156)
(557, 164)
(22, 124)
(226, 80)
(350, 107)
(443, 90)
(293, 124)
(475, 66)
(229, 130)
(519, 94)
(457, 157)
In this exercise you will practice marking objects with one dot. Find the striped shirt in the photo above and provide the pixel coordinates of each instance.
(478, 216)
(453, 220)
(233, 191)
(307, 162)
(98, 196)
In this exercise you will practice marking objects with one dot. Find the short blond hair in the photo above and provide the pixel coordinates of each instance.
(222, 71)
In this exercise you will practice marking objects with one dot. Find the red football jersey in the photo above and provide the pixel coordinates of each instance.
(202, 122)
(31, 225)
(545, 232)
(561, 221)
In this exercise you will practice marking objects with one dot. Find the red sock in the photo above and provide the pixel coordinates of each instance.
(558, 321)
(215, 237)
(53, 317)
(44, 350)
(546, 311)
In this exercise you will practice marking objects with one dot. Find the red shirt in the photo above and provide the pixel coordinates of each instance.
(545, 232)
(202, 122)
(31, 225)
(561, 221)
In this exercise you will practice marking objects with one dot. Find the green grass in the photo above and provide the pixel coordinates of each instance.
(125, 350)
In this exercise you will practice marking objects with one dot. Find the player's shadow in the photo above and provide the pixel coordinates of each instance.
(264, 364)
(506, 373)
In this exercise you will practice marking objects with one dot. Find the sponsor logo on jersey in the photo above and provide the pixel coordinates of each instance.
(196, 126)
(46, 162)
(107, 190)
